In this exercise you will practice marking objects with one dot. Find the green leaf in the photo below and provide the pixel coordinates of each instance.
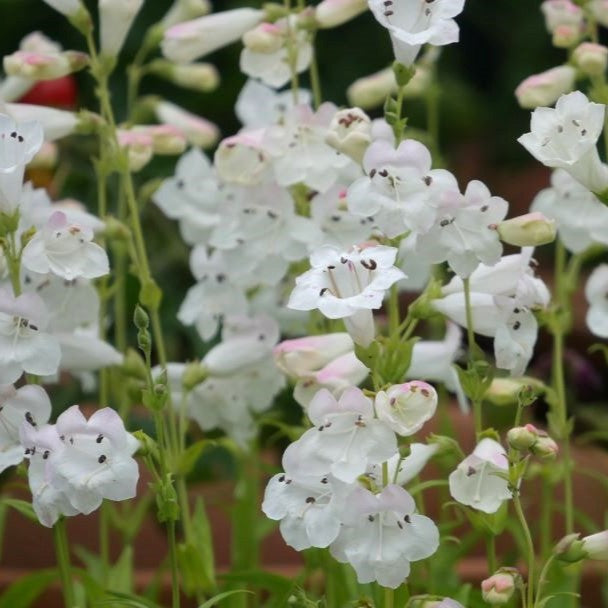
(24, 507)
(263, 580)
(214, 601)
(120, 576)
(127, 599)
(191, 455)
(26, 590)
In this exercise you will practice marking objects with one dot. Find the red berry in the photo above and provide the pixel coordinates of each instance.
(60, 93)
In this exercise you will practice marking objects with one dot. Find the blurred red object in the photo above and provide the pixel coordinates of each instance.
(59, 93)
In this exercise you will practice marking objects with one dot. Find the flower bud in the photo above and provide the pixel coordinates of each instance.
(529, 230)
(565, 36)
(599, 9)
(500, 587)
(302, 355)
(570, 549)
(134, 366)
(544, 447)
(166, 139)
(115, 230)
(201, 76)
(44, 66)
(37, 42)
(406, 407)
(184, 10)
(193, 375)
(199, 132)
(264, 38)
(141, 318)
(506, 391)
(545, 88)
(139, 148)
(69, 8)
(331, 13)
(596, 546)
(115, 20)
(350, 132)
(522, 438)
(591, 58)
(562, 12)
(432, 601)
(242, 159)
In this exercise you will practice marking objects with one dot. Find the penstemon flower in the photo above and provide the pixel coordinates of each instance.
(115, 20)
(66, 250)
(412, 23)
(596, 292)
(347, 285)
(44, 66)
(382, 534)
(477, 482)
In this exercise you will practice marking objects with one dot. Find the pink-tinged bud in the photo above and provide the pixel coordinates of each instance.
(115, 20)
(406, 407)
(545, 89)
(331, 13)
(242, 159)
(596, 546)
(139, 147)
(500, 587)
(37, 42)
(565, 36)
(187, 41)
(432, 601)
(264, 38)
(599, 9)
(44, 66)
(198, 131)
(562, 12)
(522, 438)
(591, 58)
(196, 76)
(166, 139)
(304, 355)
(529, 230)
(350, 132)
(544, 447)
(46, 157)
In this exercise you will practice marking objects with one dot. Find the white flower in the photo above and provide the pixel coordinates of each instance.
(19, 142)
(189, 40)
(337, 376)
(270, 62)
(382, 534)
(332, 13)
(82, 351)
(308, 507)
(400, 191)
(412, 23)
(259, 106)
(595, 546)
(49, 500)
(477, 482)
(26, 405)
(24, 345)
(303, 355)
(69, 8)
(66, 250)
(347, 286)
(242, 158)
(596, 292)
(44, 66)
(581, 218)
(182, 10)
(55, 123)
(96, 461)
(350, 132)
(465, 232)
(300, 152)
(599, 9)
(346, 437)
(406, 407)
(115, 20)
(565, 137)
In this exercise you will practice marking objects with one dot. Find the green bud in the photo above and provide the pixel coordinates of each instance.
(166, 500)
(403, 73)
(147, 445)
(134, 366)
(27, 235)
(150, 294)
(274, 11)
(193, 375)
(522, 438)
(9, 223)
(570, 549)
(115, 230)
(141, 318)
(529, 230)
(513, 391)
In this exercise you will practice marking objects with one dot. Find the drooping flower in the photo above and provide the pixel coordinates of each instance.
(67, 250)
(596, 292)
(382, 534)
(346, 437)
(406, 407)
(24, 344)
(477, 482)
(412, 23)
(55, 123)
(347, 286)
(566, 137)
(29, 404)
(115, 20)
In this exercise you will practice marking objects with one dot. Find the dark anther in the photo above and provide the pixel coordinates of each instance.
(282, 478)
(30, 419)
(372, 173)
(45, 455)
(383, 173)
(324, 480)
(102, 459)
(310, 499)
(323, 290)
(369, 264)
(516, 325)
(407, 519)
(471, 471)
(370, 517)
(400, 525)
(427, 179)
(99, 438)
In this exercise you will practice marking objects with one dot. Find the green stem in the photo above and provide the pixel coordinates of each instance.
(531, 558)
(104, 538)
(63, 561)
(393, 311)
(13, 260)
(491, 553)
(175, 598)
(315, 79)
(292, 55)
(469, 316)
(542, 580)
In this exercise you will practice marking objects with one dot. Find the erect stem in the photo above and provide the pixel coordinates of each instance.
(315, 80)
(63, 562)
(531, 558)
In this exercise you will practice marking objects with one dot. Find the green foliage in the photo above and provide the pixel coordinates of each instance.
(24, 592)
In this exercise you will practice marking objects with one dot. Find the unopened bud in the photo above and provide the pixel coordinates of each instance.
(138, 146)
(166, 139)
(331, 13)
(350, 132)
(562, 12)
(141, 318)
(529, 230)
(44, 66)
(115, 20)
(591, 58)
(264, 38)
(545, 447)
(522, 438)
(570, 549)
(200, 76)
(371, 91)
(193, 375)
(565, 36)
(545, 88)
(500, 587)
(508, 391)
(599, 9)
(200, 132)
(133, 365)
(115, 230)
